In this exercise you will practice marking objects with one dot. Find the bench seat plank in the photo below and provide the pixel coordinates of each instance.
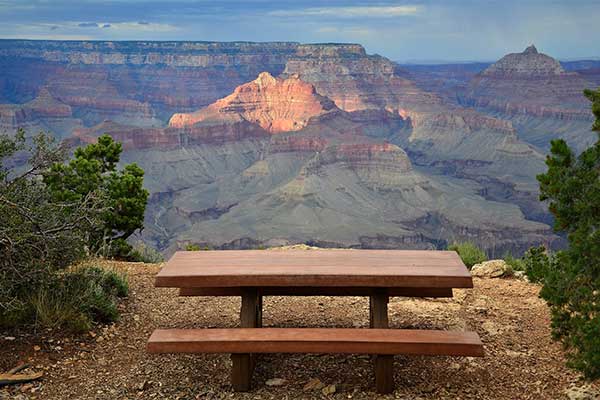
(316, 340)
(329, 268)
(317, 291)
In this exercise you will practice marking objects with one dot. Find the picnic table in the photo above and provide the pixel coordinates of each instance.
(253, 274)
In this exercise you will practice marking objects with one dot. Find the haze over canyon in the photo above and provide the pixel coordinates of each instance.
(258, 144)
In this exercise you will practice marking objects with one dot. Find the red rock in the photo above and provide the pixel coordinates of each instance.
(277, 105)
(43, 107)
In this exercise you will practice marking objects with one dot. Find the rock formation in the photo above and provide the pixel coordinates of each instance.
(44, 112)
(248, 144)
(277, 105)
(530, 83)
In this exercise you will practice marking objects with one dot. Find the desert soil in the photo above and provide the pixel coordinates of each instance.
(110, 362)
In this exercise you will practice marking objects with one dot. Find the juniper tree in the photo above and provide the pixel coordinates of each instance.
(571, 284)
(94, 168)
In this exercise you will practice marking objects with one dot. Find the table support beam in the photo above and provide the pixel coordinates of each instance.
(250, 317)
(384, 364)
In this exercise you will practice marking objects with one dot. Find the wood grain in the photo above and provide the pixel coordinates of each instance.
(316, 340)
(384, 363)
(242, 365)
(317, 291)
(331, 268)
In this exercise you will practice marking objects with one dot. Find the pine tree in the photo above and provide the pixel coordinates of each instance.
(571, 285)
(94, 168)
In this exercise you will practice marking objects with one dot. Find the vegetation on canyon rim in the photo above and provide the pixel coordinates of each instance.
(469, 253)
(54, 215)
(571, 278)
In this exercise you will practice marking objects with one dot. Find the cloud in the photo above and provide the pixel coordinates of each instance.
(350, 12)
(87, 25)
(139, 27)
(353, 31)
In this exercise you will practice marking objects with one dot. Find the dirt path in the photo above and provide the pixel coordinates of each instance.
(521, 362)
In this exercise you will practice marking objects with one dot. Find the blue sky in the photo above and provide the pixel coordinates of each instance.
(400, 30)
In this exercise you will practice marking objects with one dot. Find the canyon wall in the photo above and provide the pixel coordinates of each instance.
(252, 144)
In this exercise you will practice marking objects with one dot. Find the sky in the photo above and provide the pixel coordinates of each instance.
(419, 30)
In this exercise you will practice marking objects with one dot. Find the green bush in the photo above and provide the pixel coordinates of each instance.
(42, 236)
(537, 262)
(516, 264)
(146, 254)
(192, 247)
(469, 253)
(76, 300)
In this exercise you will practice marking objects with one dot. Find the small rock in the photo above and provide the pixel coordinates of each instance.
(585, 392)
(428, 389)
(328, 390)
(491, 328)
(313, 384)
(26, 387)
(9, 338)
(276, 382)
(36, 348)
(521, 275)
(490, 269)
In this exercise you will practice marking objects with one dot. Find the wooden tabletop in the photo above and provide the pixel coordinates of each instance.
(331, 268)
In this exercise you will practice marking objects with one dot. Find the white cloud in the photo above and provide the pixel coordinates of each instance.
(350, 12)
(354, 31)
(141, 27)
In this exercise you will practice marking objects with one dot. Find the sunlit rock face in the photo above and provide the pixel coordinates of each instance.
(275, 104)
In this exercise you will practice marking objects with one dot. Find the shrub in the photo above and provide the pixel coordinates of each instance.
(146, 254)
(41, 236)
(469, 253)
(537, 264)
(76, 300)
(193, 247)
(515, 264)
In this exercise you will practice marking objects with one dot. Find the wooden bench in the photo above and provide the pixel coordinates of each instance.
(378, 274)
(316, 340)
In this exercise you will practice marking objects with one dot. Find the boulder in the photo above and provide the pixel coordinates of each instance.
(490, 269)
(585, 392)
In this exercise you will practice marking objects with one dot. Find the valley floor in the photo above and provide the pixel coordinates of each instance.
(521, 362)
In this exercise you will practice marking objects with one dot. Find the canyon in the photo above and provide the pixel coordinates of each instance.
(247, 145)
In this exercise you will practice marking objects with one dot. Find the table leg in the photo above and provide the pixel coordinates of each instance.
(259, 311)
(384, 364)
(243, 364)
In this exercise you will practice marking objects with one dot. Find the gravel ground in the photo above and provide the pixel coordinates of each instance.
(521, 361)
